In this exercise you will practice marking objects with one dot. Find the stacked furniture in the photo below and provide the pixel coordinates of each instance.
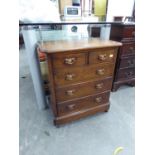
(125, 65)
(80, 75)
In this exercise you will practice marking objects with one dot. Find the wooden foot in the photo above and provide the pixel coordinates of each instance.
(132, 83)
(106, 110)
(115, 87)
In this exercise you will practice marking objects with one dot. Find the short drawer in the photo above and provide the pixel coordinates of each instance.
(76, 75)
(129, 32)
(124, 74)
(127, 49)
(83, 103)
(102, 55)
(83, 89)
(127, 62)
(61, 60)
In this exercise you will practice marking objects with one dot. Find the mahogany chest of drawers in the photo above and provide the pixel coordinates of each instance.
(125, 63)
(80, 75)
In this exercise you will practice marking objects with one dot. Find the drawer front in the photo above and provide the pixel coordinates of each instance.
(75, 75)
(83, 103)
(84, 89)
(127, 62)
(128, 49)
(102, 55)
(124, 74)
(61, 60)
(129, 32)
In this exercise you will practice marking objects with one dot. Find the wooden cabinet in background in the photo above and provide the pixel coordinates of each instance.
(125, 65)
(80, 75)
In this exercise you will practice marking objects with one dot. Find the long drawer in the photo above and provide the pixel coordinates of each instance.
(83, 103)
(83, 89)
(67, 76)
(127, 62)
(127, 49)
(124, 74)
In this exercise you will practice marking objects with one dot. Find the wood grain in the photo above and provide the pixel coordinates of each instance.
(125, 63)
(83, 103)
(69, 60)
(80, 82)
(74, 45)
(82, 74)
(83, 89)
(102, 55)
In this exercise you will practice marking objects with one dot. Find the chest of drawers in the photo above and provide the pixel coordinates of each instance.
(125, 63)
(80, 75)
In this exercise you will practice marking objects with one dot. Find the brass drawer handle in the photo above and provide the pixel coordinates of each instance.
(98, 99)
(100, 71)
(130, 63)
(70, 92)
(129, 74)
(111, 56)
(102, 57)
(70, 61)
(69, 77)
(99, 86)
(71, 106)
(131, 49)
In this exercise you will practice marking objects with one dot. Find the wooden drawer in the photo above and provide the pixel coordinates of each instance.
(83, 89)
(102, 55)
(61, 60)
(75, 75)
(127, 49)
(127, 62)
(124, 74)
(129, 32)
(83, 103)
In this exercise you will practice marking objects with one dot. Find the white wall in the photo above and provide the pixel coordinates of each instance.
(119, 8)
(39, 10)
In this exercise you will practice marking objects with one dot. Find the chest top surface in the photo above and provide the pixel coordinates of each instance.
(70, 45)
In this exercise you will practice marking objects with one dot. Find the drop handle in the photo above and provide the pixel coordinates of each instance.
(71, 106)
(131, 49)
(111, 55)
(70, 92)
(102, 57)
(129, 74)
(98, 99)
(70, 77)
(100, 71)
(99, 86)
(69, 61)
(131, 63)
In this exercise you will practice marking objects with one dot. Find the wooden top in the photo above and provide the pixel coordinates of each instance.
(70, 45)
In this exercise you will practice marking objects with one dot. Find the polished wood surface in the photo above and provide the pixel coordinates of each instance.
(81, 114)
(129, 32)
(68, 76)
(127, 62)
(127, 49)
(80, 77)
(122, 32)
(69, 60)
(83, 89)
(102, 55)
(125, 74)
(74, 45)
(83, 103)
(125, 65)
